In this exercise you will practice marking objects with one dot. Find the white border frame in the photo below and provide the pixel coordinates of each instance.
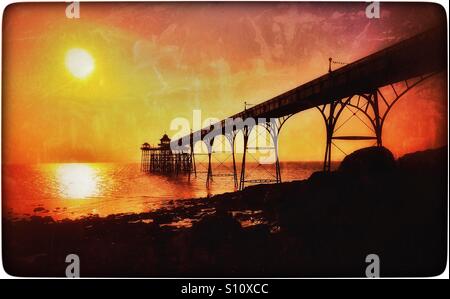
(4, 4)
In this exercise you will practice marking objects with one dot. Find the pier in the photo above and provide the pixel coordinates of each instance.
(161, 159)
(355, 86)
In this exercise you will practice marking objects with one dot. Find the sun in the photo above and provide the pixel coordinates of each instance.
(79, 63)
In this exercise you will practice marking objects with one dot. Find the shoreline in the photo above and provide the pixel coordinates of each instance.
(321, 226)
(55, 196)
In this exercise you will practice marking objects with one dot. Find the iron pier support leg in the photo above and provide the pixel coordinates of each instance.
(242, 178)
(231, 137)
(273, 126)
(143, 161)
(277, 163)
(329, 123)
(209, 175)
(246, 132)
(189, 165)
(327, 159)
(234, 163)
(193, 164)
(146, 161)
(330, 119)
(376, 110)
(192, 167)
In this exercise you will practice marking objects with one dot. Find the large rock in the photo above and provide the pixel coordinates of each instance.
(369, 160)
(431, 160)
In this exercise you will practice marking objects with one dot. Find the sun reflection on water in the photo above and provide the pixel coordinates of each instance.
(74, 190)
(77, 181)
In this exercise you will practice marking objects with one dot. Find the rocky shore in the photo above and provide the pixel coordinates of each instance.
(323, 226)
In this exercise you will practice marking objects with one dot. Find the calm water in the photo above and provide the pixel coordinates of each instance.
(78, 189)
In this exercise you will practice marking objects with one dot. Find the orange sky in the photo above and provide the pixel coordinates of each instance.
(155, 62)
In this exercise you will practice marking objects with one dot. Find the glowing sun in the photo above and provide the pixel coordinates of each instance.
(79, 63)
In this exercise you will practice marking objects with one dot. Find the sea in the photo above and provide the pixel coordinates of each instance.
(76, 190)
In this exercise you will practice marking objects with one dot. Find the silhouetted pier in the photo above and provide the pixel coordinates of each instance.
(355, 86)
(161, 159)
